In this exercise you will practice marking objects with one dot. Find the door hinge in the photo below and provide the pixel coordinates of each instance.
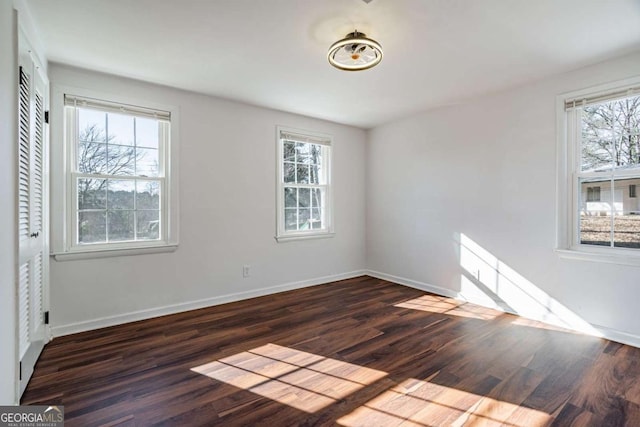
(46, 317)
(46, 117)
(20, 370)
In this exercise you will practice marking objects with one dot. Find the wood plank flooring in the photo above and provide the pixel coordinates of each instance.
(359, 352)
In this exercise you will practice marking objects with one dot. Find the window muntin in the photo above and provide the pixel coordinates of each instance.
(607, 141)
(304, 203)
(117, 174)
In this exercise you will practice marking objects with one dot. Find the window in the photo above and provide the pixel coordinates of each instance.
(118, 177)
(304, 185)
(593, 194)
(603, 133)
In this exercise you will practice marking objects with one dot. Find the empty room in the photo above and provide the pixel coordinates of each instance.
(320, 212)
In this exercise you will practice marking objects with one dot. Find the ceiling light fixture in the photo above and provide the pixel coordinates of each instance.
(355, 52)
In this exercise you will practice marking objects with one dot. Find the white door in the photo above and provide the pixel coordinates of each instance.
(32, 218)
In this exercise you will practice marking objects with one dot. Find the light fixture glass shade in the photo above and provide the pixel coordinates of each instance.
(355, 52)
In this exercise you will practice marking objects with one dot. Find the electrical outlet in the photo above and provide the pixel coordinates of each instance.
(246, 270)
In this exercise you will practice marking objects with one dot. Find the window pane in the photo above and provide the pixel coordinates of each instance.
(92, 194)
(304, 197)
(290, 197)
(316, 198)
(289, 172)
(147, 132)
(627, 231)
(120, 195)
(147, 162)
(304, 216)
(597, 136)
(92, 158)
(314, 174)
(595, 212)
(92, 227)
(316, 218)
(627, 220)
(289, 151)
(302, 174)
(121, 160)
(148, 225)
(290, 219)
(610, 135)
(302, 152)
(626, 130)
(119, 129)
(120, 225)
(147, 195)
(91, 125)
(315, 154)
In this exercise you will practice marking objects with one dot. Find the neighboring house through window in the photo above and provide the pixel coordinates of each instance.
(593, 194)
(304, 185)
(603, 133)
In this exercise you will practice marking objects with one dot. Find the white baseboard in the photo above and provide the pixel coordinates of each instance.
(618, 336)
(416, 285)
(103, 322)
(602, 331)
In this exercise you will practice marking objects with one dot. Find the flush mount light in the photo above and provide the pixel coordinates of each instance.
(355, 52)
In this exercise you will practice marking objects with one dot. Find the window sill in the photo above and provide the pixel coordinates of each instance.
(115, 252)
(620, 258)
(291, 238)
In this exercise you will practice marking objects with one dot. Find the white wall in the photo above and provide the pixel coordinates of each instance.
(8, 262)
(227, 214)
(487, 170)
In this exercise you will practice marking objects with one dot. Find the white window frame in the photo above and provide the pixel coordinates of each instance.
(64, 220)
(283, 235)
(568, 170)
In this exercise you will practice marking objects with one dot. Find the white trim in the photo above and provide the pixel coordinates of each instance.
(113, 252)
(599, 90)
(445, 292)
(607, 333)
(134, 316)
(306, 236)
(618, 336)
(606, 255)
(71, 100)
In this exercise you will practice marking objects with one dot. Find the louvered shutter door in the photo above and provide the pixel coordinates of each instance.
(32, 191)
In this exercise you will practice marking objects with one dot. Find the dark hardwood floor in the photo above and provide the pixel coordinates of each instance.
(360, 352)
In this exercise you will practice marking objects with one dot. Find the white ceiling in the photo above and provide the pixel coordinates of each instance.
(272, 53)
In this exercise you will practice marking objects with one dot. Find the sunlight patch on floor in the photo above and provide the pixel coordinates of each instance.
(302, 380)
(436, 304)
(421, 403)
